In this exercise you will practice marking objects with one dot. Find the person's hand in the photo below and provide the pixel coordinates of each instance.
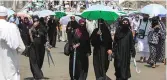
(88, 54)
(132, 59)
(35, 24)
(75, 46)
(49, 49)
(69, 27)
(109, 51)
(99, 33)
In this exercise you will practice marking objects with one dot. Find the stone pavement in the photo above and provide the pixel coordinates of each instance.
(60, 71)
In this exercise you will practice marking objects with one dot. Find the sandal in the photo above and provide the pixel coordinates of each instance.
(154, 65)
(164, 61)
(141, 59)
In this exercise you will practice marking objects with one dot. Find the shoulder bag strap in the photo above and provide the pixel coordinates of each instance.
(139, 25)
(145, 27)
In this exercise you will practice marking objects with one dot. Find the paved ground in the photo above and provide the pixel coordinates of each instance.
(60, 71)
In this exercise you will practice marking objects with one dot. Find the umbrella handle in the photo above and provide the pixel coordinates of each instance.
(135, 64)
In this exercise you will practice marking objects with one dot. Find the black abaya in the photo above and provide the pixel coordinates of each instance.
(34, 59)
(100, 55)
(123, 50)
(24, 31)
(52, 32)
(37, 51)
(82, 52)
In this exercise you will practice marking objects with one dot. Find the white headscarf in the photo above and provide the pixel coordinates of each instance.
(3, 11)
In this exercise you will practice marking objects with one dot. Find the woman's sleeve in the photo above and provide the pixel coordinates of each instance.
(89, 47)
(68, 25)
(94, 39)
(115, 41)
(30, 33)
(110, 46)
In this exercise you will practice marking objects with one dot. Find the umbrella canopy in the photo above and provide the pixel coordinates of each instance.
(22, 15)
(64, 20)
(132, 13)
(96, 12)
(10, 12)
(45, 13)
(36, 13)
(60, 14)
(162, 15)
(153, 10)
(30, 13)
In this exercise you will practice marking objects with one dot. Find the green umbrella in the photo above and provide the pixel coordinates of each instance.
(110, 22)
(96, 12)
(60, 14)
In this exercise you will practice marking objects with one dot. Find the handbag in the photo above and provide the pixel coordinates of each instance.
(67, 49)
(141, 32)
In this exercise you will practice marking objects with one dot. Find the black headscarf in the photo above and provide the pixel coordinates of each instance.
(74, 24)
(42, 21)
(122, 30)
(104, 29)
(154, 21)
(145, 18)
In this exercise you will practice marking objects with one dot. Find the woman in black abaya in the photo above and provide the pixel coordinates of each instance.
(37, 49)
(123, 50)
(102, 42)
(81, 42)
(52, 31)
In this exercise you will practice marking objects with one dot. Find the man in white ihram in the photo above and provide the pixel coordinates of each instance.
(11, 45)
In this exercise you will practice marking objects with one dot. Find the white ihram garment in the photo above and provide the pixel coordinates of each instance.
(11, 45)
(143, 43)
(143, 47)
(90, 25)
(64, 34)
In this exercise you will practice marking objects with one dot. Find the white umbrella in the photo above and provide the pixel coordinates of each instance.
(30, 13)
(36, 13)
(64, 20)
(45, 13)
(154, 10)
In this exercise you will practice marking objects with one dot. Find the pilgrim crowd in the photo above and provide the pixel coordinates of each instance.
(29, 38)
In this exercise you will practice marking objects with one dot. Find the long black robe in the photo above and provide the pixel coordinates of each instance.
(100, 55)
(52, 32)
(37, 51)
(82, 61)
(123, 50)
